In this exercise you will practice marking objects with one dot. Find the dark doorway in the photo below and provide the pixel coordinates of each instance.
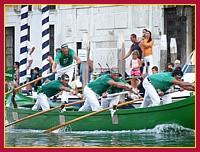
(175, 27)
(9, 47)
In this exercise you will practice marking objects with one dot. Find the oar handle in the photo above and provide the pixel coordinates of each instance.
(171, 92)
(44, 76)
(90, 114)
(42, 112)
(119, 93)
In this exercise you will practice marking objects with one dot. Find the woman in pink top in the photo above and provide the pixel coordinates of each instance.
(135, 65)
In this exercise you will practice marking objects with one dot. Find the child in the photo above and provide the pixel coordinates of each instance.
(37, 75)
(135, 65)
(154, 70)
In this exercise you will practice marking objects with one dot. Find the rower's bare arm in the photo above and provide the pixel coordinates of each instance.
(54, 67)
(184, 85)
(120, 85)
(78, 60)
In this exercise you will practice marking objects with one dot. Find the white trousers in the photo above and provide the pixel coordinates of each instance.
(166, 99)
(42, 102)
(91, 101)
(68, 71)
(151, 98)
(148, 59)
(109, 101)
(65, 96)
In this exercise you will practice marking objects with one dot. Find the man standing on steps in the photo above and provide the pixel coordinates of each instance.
(96, 88)
(135, 46)
(30, 50)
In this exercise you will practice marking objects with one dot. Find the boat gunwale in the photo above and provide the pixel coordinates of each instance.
(171, 106)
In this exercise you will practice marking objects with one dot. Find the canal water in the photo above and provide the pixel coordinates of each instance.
(166, 135)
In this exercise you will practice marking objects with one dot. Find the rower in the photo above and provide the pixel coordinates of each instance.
(156, 84)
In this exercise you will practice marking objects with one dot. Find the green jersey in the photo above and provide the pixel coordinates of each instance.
(162, 81)
(65, 60)
(52, 88)
(113, 89)
(101, 85)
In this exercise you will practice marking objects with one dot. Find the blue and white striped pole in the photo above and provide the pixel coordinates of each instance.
(45, 40)
(23, 44)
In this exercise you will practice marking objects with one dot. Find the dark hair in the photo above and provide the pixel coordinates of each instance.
(155, 67)
(145, 32)
(17, 63)
(65, 77)
(36, 69)
(170, 63)
(150, 39)
(144, 29)
(177, 72)
(134, 35)
(178, 68)
(169, 70)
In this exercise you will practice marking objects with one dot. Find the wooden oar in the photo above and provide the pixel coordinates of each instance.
(39, 78)
(115, 94)
(90, 114)
(42, 112)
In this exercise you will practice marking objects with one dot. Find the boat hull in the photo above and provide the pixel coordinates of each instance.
(181, 113)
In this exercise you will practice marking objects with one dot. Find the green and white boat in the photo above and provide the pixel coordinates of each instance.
(181, 112)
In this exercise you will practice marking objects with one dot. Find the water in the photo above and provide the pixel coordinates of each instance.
(160, 136)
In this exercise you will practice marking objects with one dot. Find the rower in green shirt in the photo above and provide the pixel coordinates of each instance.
(52, 88)
(156, 84)
(65, 57)
(96, 88)
(112, 100)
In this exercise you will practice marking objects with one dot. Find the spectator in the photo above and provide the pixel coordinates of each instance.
(135, 65)
(135, 46)
(16, 74)
(90, 70)
(37, 75)
(154, 70)
(147, 45)
(177, 63)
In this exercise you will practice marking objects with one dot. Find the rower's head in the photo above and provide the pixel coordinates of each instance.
(114, 73)
(64, 48)
(64, 79)
(177, 74)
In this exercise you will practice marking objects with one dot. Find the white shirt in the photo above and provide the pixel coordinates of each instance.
(29, 58)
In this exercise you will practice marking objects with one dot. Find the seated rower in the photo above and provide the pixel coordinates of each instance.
(52, 88)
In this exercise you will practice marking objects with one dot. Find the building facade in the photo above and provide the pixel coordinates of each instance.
(104, 24)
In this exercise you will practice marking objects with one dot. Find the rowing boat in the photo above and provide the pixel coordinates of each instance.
(181, 112)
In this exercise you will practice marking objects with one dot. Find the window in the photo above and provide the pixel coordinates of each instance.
(30, 8)
(52, 7)
(51, 40)
(9, 47)
(78, 46)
